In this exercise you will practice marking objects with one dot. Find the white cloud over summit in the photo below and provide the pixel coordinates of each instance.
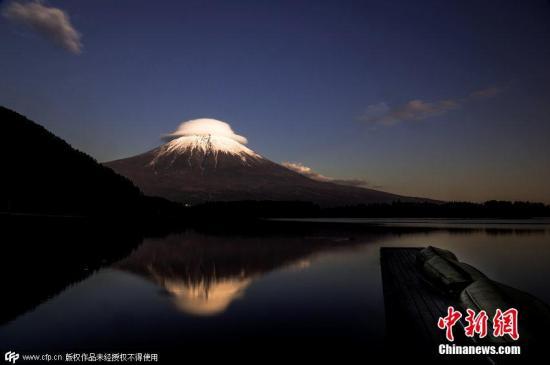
(203, 127)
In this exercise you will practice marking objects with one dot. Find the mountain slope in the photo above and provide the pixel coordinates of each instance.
(42, 174)
(199, 168)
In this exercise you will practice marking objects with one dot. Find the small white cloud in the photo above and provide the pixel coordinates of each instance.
(52, 23)
(413, 110)
(204, 127)
(304, 170)
(485, 93)
(308, 172)
(416, 110)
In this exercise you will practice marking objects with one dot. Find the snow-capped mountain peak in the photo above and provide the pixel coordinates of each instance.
(210, 145)
(202, 142)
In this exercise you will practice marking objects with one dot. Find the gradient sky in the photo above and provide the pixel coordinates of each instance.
(442, 99)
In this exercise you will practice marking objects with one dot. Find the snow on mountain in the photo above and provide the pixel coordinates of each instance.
(204, 145)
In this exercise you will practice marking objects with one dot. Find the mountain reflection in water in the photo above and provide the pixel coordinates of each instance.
(205, 274)
(205, 298)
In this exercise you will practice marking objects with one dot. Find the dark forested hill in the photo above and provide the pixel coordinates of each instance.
(43, 174)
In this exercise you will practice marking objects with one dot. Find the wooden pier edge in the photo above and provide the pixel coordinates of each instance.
(412, 308)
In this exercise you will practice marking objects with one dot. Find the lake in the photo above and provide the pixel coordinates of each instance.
(306, 282)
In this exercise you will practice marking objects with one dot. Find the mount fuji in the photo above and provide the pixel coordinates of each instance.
(204, 160)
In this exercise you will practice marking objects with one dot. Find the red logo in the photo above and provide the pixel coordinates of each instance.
(504, 323)
(447, 323)
(476, 323)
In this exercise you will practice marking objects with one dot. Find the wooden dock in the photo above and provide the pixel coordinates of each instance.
(413, 307)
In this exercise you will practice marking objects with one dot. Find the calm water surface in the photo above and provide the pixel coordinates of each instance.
(322, 283)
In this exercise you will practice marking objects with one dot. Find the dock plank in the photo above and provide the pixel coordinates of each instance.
(412, 305)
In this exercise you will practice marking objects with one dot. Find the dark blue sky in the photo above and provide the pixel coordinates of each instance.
(445, 99)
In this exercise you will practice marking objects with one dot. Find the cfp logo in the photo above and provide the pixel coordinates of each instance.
(11, 356)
